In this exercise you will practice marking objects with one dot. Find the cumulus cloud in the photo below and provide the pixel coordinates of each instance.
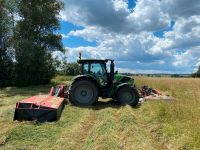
(188, 58)
(127, 35)
(183, 42)
(181, 8)
(115, 16)
(59, 56)
(64, 36)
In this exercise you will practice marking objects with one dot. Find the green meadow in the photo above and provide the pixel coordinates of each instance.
(154, 124)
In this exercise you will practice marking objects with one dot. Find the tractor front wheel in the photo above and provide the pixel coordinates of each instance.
(127, 95)
(83, 93)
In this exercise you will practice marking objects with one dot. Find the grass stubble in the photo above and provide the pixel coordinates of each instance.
(155, 124)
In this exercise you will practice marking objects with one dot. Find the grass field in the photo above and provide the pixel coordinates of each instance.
(153, 125)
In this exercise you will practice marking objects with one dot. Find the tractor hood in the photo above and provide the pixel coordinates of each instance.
(123, 79)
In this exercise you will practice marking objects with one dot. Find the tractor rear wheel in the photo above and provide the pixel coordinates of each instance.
(83, 93)
(127, 95)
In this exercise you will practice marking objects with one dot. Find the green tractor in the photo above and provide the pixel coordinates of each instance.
(97, 80)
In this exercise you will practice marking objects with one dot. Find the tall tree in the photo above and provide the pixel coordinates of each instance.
(6, 60)
(197, 73)
(35, 40)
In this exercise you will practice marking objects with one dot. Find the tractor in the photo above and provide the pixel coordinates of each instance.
(98, 79)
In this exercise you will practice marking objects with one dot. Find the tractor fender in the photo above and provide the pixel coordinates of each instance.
(122, 85)
(86, 77)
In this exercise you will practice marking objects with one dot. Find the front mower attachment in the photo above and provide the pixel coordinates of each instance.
(41, 108)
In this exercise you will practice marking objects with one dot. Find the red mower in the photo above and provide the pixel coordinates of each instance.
(41, 108)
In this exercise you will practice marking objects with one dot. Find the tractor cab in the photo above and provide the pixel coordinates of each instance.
(99, 70)
(97, 79)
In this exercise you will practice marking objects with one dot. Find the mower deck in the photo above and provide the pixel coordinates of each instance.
(40, 108)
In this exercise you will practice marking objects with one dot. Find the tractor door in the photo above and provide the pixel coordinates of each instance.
(98, 70)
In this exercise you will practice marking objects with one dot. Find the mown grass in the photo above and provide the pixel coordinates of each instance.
(153, 125)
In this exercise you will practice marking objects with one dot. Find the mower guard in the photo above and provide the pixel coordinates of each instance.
(40, 108)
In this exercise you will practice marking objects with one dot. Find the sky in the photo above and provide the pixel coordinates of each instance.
(143, 36)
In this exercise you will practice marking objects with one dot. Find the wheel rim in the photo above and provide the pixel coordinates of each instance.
(127, 97)
(83, 93)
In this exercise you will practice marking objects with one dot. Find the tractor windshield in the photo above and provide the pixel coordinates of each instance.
(97, 69)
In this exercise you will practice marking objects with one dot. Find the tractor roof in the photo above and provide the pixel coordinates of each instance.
(93, 60)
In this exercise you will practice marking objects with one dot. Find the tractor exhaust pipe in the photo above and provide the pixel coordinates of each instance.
(112, 66)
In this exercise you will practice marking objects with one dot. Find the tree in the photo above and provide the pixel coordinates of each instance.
(6, 57)
(35, 40)
(60, 61)
(196, 74)
(72, 69)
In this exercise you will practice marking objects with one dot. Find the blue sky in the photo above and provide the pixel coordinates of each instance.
(160, 33)
(73, 41)
(150, 36)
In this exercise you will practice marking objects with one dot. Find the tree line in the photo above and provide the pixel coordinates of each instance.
(27, 39)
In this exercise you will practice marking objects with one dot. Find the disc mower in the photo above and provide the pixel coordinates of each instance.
(41, 108)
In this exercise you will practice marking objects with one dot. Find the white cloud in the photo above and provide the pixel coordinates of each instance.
(148, 16)
(64, 36)
(114, 15)
(181, 8)
(127, 36)
(59, 55)
(188, 58)
(90, 33)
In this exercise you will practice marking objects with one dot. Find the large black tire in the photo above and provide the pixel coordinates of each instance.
(127, 95)
(83, 93)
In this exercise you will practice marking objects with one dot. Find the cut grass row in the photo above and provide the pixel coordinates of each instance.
(154, 125)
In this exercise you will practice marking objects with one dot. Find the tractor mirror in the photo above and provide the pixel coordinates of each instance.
(116, 72)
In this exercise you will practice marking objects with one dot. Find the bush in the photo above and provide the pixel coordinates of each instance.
(71, 69)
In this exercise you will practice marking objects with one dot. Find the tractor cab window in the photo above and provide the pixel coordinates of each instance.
(85, 68)
(97, 69)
